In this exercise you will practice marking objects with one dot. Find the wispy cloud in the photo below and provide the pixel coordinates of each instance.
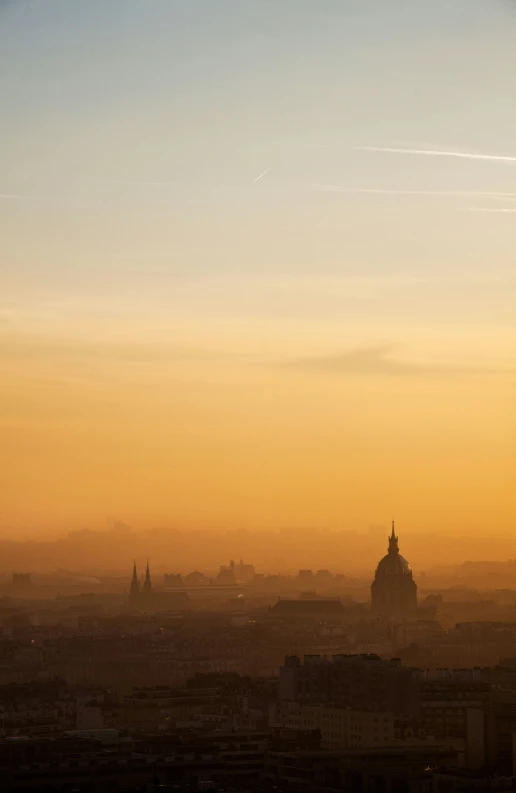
(380, 361)
(439, 193)
(260, 176)
(16, 347)
(23, 197)
(487, 209)
(439, 153)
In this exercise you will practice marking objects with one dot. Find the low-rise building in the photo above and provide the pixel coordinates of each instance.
(344, 728)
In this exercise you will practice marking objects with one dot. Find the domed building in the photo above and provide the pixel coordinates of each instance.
(393, 591)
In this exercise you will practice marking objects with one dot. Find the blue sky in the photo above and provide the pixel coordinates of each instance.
(132, 133)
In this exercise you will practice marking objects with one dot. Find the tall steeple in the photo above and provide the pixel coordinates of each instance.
(147, 584)
(134, 591)
(393, 541)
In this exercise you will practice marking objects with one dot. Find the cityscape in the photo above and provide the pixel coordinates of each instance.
(247, 680)
(257, 396)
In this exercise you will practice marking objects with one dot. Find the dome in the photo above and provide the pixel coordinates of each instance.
(394, 591)
(393, 564)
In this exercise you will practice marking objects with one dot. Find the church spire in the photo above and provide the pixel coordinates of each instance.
(135, 587)
(147, 585)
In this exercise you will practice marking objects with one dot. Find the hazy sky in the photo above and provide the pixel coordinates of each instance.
(257, 262)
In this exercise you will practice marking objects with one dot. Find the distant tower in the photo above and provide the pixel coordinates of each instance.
(134, 592)
(394, 591)
(147, 584)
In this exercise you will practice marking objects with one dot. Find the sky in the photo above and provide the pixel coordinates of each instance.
(257, 264)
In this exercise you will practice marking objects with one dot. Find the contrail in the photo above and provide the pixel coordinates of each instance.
(131, 182)
(261, 175)
(382, 191)
(439, 153)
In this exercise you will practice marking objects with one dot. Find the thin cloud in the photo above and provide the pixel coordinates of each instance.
(260, 176)
(487, 209)
(14, 347)
(430, 193)
(379, 361)
(22, 197)
(439, 153)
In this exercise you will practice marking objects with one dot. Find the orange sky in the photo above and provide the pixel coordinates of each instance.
(257, 265)
(228, 424)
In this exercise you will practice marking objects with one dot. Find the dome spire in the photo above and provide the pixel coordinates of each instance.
(393, 541)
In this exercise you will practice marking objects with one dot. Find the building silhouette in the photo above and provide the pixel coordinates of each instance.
(173, 579)
(140, 596)
(134, 591)
(147, 584)
(233, 574)
(21, 584)
(146, 598)
(393, 591)
(226, 575)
